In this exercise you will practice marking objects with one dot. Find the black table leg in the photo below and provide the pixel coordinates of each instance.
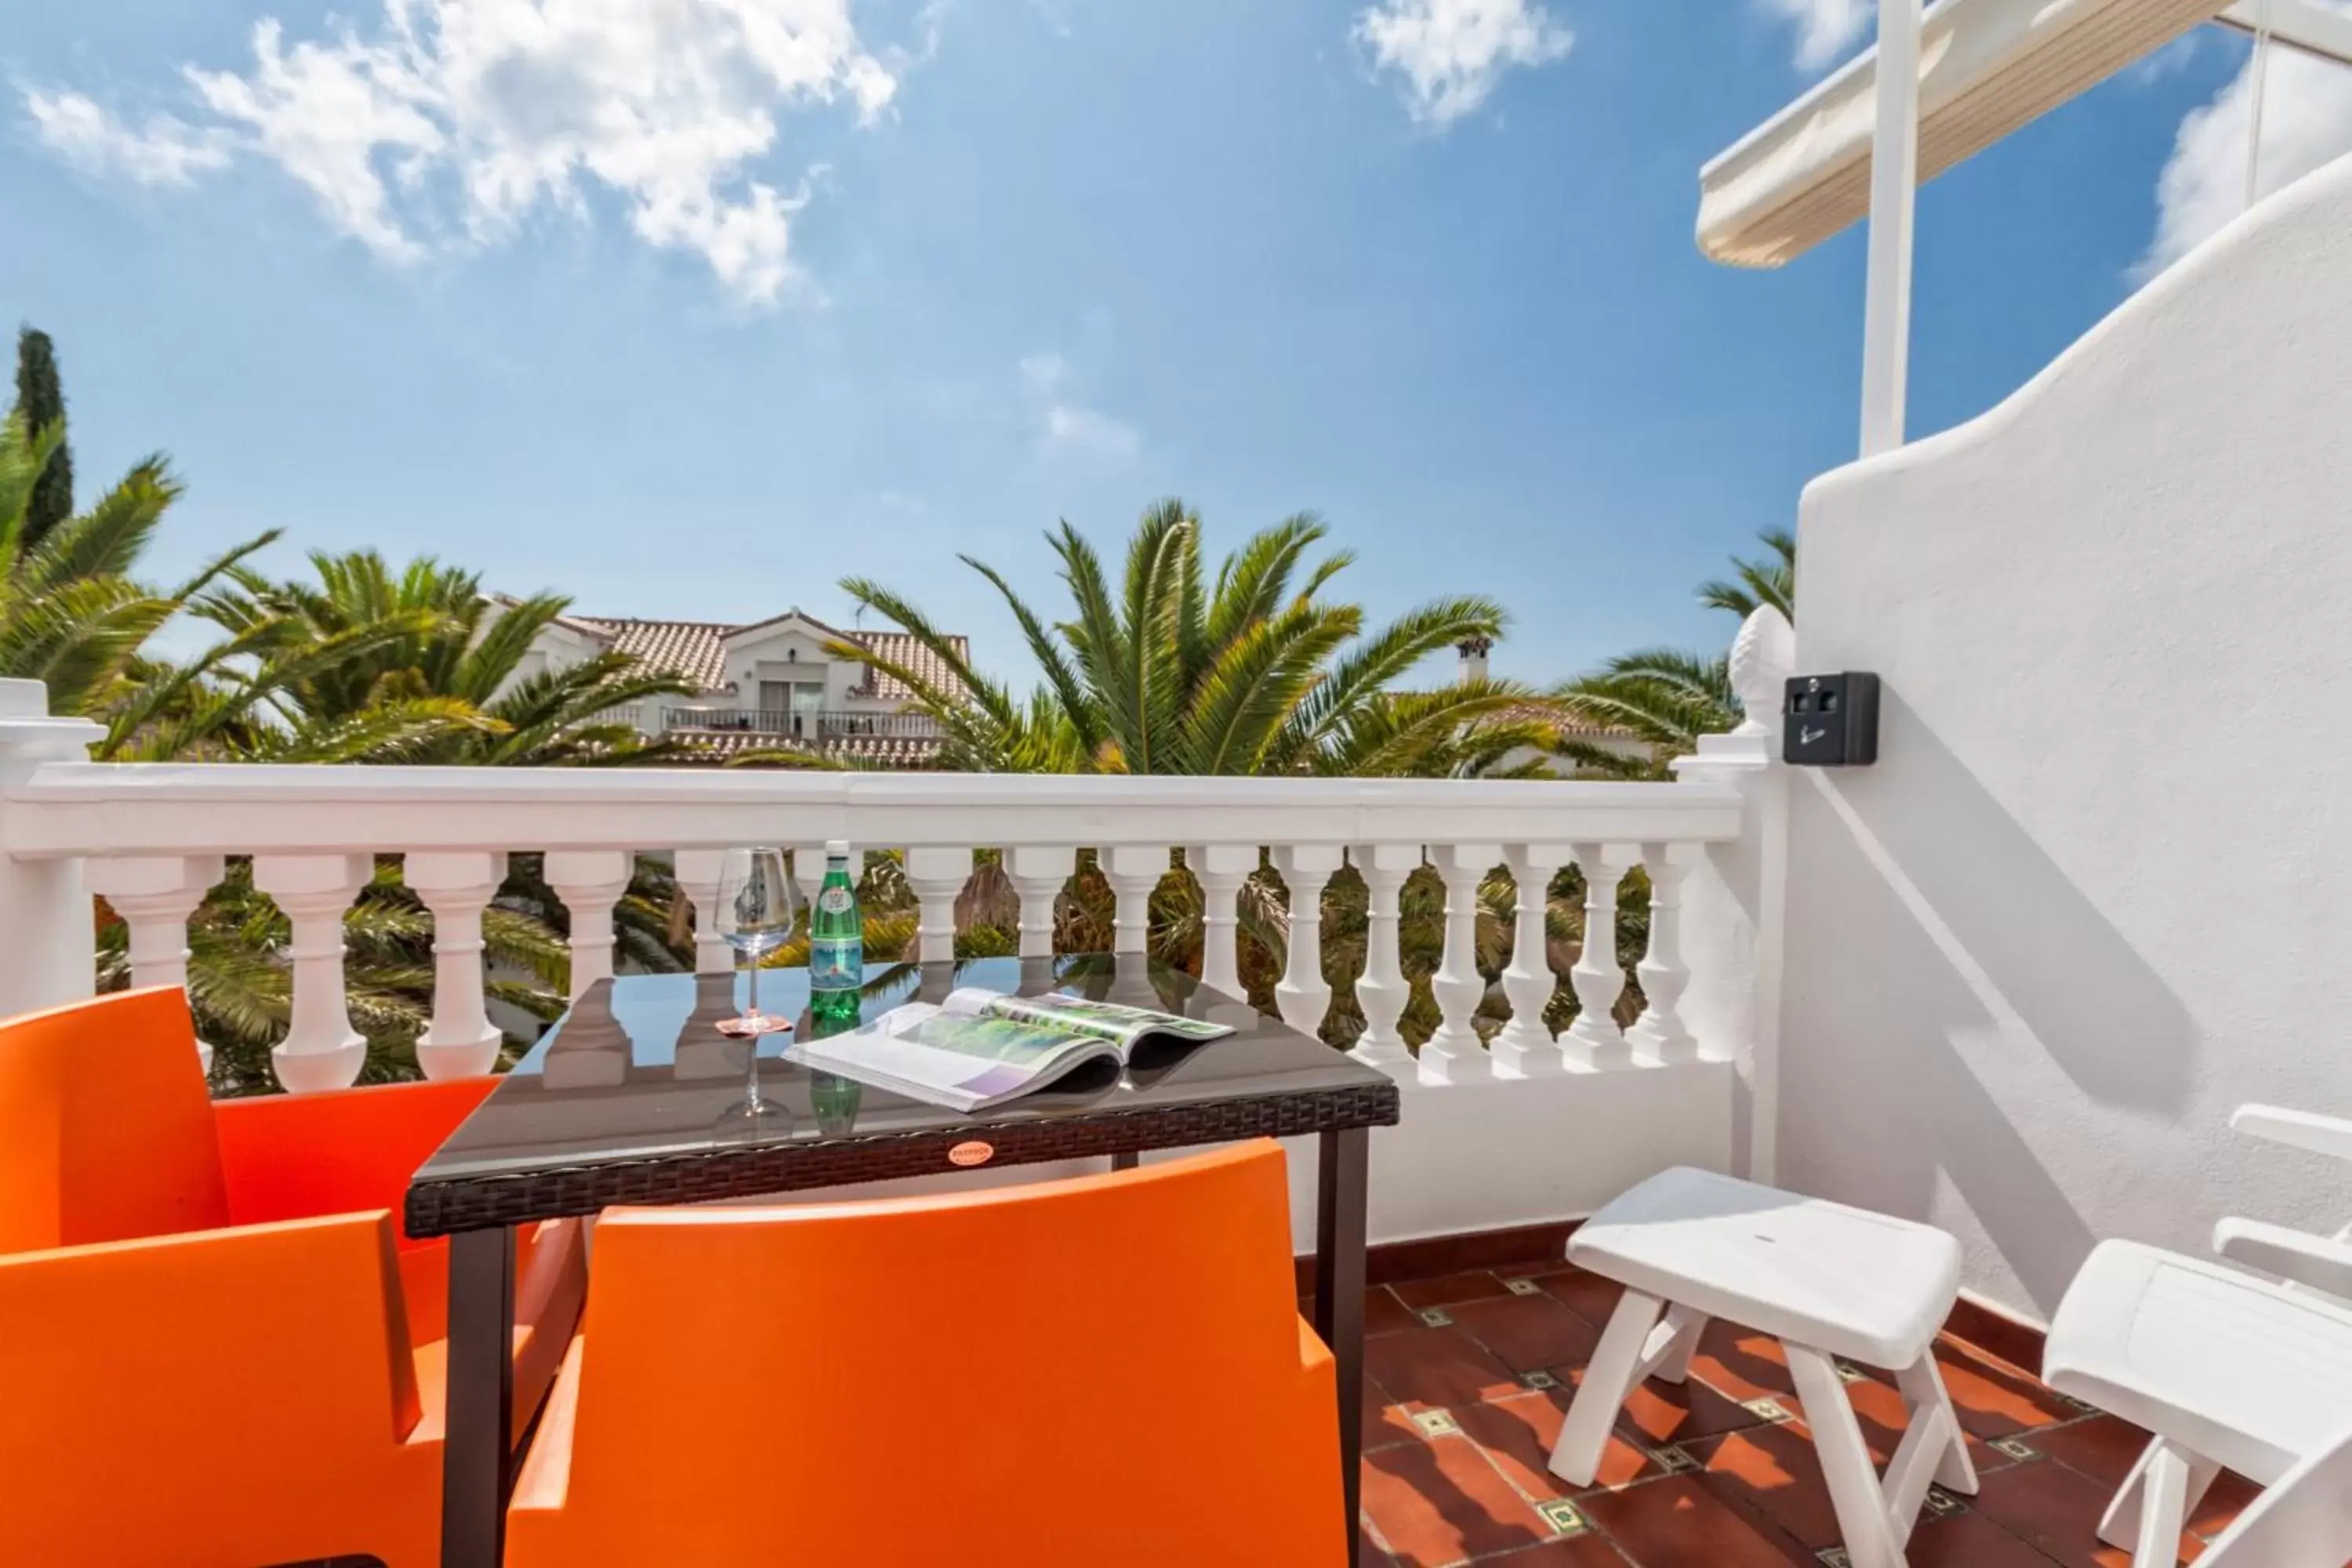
(1340, 1191)
(476, 1460)
(1126, 1160)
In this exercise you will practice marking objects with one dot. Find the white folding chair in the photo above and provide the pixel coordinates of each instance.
(2226, 1369)
(2303, 1520)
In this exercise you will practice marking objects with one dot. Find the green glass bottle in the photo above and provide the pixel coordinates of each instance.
(837, 943)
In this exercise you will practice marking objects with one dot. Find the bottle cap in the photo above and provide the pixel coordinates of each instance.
(836, 849)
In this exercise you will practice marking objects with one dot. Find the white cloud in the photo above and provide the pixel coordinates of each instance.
(1451, 52)
(1826, 29)
(164, 151)
(2307, 122)
(1062, 423)
(450, 123)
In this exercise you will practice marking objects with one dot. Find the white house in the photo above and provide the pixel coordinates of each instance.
(769, 684)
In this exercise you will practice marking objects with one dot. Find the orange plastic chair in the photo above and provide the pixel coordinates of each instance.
(215, 1346)
(1104, 1372)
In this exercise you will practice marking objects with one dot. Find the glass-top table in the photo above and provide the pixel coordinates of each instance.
(627, 1100)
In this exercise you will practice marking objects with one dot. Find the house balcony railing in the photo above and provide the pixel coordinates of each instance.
(152, 838)
(826, 724)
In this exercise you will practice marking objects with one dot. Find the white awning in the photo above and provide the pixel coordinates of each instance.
(1986, 67)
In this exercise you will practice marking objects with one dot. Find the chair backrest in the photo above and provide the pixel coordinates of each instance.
(106, 1125)
(1105, 1369)
(2302, 1518)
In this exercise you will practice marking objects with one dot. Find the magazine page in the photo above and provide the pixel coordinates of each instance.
(1121, 1025)
(957, 1059)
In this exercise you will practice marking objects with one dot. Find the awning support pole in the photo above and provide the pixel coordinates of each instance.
(1894, 193)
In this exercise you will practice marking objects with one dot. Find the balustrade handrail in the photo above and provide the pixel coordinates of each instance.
(134, 808)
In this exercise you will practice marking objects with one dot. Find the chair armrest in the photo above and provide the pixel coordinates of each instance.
(2309, 1260)
(266, 1339)
(297, 1156)
(2306, 1129)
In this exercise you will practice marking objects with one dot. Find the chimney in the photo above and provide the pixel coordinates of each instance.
(1473, 657)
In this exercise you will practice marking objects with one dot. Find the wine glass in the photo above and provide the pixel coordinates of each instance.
(757, 906)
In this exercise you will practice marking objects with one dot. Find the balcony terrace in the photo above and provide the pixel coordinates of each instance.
(2007, 987)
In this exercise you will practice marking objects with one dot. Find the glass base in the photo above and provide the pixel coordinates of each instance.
(752, 1119)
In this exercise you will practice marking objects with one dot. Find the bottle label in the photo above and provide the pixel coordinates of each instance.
(836, 963)
(834, 900)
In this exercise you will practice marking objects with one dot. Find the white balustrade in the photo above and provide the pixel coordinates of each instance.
(1303, 997)
(1524, 1046)
(1659, 1035)
(590, 882)
(1221, 870)
(1594, 1038)
(1453, 1053)
(321, 1050)
(1038, 873)
(938, 877)
(1382, 991)
(1133, 870)
(461, 1042)
(699, 872)
(152, 838)
(155, 894)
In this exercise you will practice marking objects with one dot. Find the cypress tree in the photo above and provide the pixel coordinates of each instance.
(42, 401)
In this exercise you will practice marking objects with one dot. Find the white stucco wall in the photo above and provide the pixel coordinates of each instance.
(2098, 891)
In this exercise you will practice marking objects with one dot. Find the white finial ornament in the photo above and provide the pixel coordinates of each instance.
(1762, 658)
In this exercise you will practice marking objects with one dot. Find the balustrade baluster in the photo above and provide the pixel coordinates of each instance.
(461, 1042)
(1659, 1034)
(1455, 1054)
(322, 1050)
(1303, 995)
(1133, 870)
(1221, 870)
(1524, 1046)
(1593, 1039)
(1382, 991)
(1039, 873)
(698, 871)
(937, 876)
(590, 882)
(155, 894)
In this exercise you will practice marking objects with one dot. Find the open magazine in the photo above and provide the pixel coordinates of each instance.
(981, 1049)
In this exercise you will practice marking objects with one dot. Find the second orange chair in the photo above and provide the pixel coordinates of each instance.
(1103, 1371)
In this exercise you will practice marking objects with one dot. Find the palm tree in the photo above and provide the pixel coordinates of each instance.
(71, 615)
(1248, 670)
(1666, 697)
(1771, 582)
(1253, 673)
(366, 665)
(425, 668)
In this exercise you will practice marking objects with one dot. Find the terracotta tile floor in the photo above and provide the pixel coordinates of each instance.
(1470, 1375)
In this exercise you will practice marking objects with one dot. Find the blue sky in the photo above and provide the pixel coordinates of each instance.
(880, 284)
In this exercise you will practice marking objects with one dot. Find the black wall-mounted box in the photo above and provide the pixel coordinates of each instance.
(1830, 720)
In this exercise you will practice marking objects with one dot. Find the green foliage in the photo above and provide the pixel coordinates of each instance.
(1754, 583)
(421, 666)
(1667, 697)
(1166, 671)
(41, 401)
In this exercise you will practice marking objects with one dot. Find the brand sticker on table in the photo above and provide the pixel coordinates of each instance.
(972, 1151)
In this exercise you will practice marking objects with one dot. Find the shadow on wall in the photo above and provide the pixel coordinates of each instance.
(1932, 922)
